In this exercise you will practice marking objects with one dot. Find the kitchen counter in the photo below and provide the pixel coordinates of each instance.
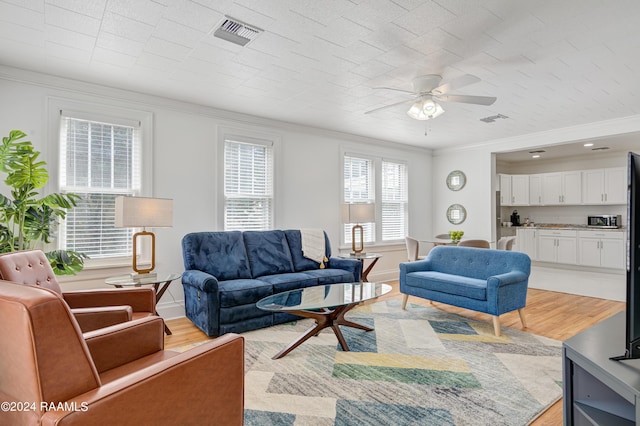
(563, 226)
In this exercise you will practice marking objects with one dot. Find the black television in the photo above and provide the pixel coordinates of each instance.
(632, 343)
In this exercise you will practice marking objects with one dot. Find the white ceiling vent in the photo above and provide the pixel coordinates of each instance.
(493, 118)
(236, 31)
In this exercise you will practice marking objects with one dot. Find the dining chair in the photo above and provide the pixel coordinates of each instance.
(413, 249)
(506, 243)
(474, 243)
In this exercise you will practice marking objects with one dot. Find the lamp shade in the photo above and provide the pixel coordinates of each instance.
(425, 109)
(358, 213)
(134, 212)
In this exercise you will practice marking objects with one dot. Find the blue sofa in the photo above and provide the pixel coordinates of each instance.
(226, 273)
(484, 280)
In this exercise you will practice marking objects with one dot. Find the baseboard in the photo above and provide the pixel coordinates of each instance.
(171, 310)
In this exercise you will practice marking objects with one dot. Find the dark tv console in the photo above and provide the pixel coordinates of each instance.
(598, 390)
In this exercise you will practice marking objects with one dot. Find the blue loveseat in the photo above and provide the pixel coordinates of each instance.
(489, 281)
(226, 273)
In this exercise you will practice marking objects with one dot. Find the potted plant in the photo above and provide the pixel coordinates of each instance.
(27, 218)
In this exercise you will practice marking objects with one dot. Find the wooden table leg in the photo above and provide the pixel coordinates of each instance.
(365, 272)
(324, 319)
(159, 294)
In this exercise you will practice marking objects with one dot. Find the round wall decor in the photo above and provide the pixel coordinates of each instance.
(456, 180)
(456, 214)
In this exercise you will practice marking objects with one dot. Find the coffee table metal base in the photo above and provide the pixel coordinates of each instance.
(324, 319)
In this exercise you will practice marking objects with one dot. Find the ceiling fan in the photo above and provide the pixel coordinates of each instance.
(427, 90)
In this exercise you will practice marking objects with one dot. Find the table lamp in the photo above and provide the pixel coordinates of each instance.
(358, 213)
(143, 212)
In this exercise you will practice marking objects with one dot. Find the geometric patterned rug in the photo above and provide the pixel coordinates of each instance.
(421, 366)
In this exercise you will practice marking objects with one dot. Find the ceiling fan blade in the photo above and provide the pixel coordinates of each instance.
(391, 105)
(467, 99)
(456, 83)
(393, 88)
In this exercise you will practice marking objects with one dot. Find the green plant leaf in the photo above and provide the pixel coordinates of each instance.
(66, 262)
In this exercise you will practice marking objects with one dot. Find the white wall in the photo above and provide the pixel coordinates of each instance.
(477, 196)
(186, 168)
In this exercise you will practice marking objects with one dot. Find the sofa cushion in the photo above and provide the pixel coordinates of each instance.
(242, 292)
(331, 276)
(291, 281)
(221, 254)
(301, 263)
(473, 262)
(268, 252)
(456, 285)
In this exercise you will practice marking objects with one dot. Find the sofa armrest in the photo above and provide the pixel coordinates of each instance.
(122, 343)
(507, 278)
(200, 280)
(90, 319)
(141, 299)
(418, 265)
(205, 383)
(352, 265)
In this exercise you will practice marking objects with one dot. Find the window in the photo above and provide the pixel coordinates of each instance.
(383, 182)
(359, 188)
(394, 201)
(100, 159)
(248, 184)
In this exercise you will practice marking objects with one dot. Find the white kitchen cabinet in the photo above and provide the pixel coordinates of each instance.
(558, 246)
(527, 241)
(505, 190)
(605, 186)
(519, 190)
(535, 190)
(514, 190)
(602, 248)
(562, 188)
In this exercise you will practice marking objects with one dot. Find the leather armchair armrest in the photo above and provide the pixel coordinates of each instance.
(203, 384)
(122, 343)
(90, 319)
(141, 299)
(352, 265)
(200, 280)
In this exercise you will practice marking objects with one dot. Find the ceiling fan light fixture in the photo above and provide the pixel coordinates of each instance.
(425, 109)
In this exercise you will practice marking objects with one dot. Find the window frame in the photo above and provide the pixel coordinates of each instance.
(250, 136)
(377, 161)
(110, 114)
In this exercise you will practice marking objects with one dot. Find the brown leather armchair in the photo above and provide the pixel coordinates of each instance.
(93, 309)
(117, 375)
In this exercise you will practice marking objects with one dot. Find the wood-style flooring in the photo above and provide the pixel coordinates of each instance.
(550, 314)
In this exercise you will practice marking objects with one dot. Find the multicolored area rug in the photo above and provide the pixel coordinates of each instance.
(421, 366)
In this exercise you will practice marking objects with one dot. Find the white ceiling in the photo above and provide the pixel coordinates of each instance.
(551, 63)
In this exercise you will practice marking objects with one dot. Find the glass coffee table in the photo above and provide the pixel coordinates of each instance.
(327, 304)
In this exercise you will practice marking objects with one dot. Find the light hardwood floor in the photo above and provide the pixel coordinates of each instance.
(550, 314)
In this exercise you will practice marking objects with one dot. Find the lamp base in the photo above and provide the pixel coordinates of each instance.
(138, 275)
(360, 253)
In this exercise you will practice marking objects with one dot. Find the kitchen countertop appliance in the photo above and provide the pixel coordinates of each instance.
(604, 221)
(515, 218)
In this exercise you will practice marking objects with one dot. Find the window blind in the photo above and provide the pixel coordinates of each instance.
(359, 188)
(248, 185)
(394, 200)
(98, 161)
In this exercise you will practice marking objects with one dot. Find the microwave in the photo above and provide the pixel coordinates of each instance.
(604, 221)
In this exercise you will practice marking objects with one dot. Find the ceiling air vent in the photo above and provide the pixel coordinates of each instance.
(236, 31)
(493, 118)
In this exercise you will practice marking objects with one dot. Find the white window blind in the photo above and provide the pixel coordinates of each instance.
(99, 160)
(359, 188)
(248, 185)
(394, 199)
